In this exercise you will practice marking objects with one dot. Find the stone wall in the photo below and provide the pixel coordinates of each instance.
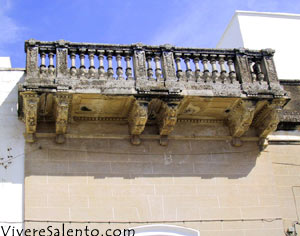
(286, 170)
(112, 180)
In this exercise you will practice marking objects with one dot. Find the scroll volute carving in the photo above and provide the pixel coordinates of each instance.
(137, 119)
(62, 102)
(240, 118)
(166, 119)
(267, 118)
(30, 104)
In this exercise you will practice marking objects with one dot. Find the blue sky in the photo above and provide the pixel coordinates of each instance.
(194, 23)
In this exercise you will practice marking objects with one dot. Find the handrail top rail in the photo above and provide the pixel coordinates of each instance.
(86, 47)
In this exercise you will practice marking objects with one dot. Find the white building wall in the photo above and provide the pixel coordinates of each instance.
(232, 37)
(11, 136)
(278, 31)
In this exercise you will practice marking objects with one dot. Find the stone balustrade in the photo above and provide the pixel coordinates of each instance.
(139, 84)
(140, 68)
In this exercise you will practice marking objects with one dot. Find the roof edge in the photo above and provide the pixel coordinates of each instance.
(267, 14)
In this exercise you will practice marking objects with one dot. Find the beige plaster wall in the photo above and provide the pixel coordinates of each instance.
(111, 180)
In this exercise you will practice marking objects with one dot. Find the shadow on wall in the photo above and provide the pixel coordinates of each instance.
(11, 135)
(101, 159)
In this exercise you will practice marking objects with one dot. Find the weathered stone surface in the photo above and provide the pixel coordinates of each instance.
(30, 104)
(290, 115)
(267, 119)
(222, 85)
(240, 117)
(137, 119)
(62, 115)
(166, 118)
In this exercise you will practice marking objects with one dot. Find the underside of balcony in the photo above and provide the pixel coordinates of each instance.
(139, 86)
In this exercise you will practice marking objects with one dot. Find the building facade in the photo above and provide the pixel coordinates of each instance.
(162, 139)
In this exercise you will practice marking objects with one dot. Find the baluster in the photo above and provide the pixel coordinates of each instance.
(232, 74)
(257, 68)
(149, 68)
(128, 66)
(82, 58)
(189, 73)
(73, 65)
(224, 74)
(43, 63)
(179, 71)
(101, 70)
(110, 70)
(206, 72)
(119, 70)
(158, 72)
(51, 68)
(92, 70)
(198, 73)
(253, 75)
(215, 73)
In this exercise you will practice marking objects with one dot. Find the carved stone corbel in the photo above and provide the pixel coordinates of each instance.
(30, 103)
(137, 119)
(267, 119)
(240, 119)
(62, 102)
(166, 120)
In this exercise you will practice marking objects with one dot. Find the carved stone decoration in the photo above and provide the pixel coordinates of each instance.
(269, 124)
(61, 62)
(32, 61)
(243, 69)
(166, 119)
(137, 119)
(139, 63)
(240, 118)
(211, 86)
(267, 119)
(62, 102)
(140, 70)
(268, 68)
(30, 104)
(168, 66)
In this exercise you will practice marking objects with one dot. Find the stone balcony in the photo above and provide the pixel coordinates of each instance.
(142, 85)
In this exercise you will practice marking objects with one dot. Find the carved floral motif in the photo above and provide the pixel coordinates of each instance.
(167, 118)
(137, 118)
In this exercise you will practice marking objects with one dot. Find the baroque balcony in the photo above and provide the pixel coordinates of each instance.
(139, 85)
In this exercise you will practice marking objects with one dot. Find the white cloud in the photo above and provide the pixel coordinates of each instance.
(10, 31)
